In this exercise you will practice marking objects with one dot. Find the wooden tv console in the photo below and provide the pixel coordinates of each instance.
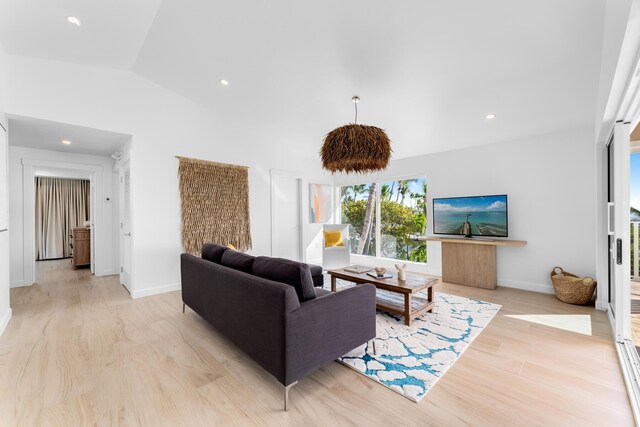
(470, 262)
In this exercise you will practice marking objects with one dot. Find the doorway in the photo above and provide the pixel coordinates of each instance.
(286, 215)
(33, 168)
(635, 235)
(60, 150)
(63, 218)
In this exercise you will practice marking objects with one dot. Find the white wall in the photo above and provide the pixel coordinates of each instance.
(106, 243)
(162, 125)
(549, 179)
(5, 309)
(550, 184)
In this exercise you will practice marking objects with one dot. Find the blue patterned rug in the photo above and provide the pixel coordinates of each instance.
(411, 359)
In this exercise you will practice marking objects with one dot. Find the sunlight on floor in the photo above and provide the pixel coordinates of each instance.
(578, 323)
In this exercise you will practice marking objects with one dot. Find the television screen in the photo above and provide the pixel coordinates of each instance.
(474, 216)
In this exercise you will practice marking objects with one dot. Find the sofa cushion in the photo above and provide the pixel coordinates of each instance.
(286, 271)
(237, 261)
(322, 292)
(213, 252)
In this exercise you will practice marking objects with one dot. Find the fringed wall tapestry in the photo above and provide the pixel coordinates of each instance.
(215, 204)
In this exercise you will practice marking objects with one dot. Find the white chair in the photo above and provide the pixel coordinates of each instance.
(334, 257)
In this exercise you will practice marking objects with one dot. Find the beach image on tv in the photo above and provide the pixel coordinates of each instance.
(477, 216)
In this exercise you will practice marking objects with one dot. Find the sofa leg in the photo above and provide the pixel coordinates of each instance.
(183, 308)
(286, 395)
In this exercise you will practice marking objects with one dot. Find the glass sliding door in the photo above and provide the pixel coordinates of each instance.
(618, 215)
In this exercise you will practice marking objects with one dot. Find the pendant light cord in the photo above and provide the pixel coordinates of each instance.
(355, 101)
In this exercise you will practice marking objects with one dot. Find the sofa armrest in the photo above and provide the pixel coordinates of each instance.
(249, 311)
(326, 328)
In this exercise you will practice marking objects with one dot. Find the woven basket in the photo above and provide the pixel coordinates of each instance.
(570, 288)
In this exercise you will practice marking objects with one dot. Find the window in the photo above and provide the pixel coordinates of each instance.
(401, 214)
(358, 209)
(403, 217)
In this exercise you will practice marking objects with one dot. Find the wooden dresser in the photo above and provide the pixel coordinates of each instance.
(81, 240)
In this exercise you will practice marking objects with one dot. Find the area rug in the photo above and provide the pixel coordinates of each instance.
(411, 359)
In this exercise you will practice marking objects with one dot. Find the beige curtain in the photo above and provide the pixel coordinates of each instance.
(61, 204)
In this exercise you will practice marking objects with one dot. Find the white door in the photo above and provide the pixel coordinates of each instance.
(125, 226)
(619, 235)
(286, 217)
(92, 222)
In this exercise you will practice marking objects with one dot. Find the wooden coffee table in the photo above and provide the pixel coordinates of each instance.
(408, 307)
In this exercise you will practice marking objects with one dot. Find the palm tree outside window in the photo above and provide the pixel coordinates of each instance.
(403, 216)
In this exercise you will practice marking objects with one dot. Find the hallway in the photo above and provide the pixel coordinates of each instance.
(57, 280)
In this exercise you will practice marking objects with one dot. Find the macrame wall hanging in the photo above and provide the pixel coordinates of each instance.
(215, 204)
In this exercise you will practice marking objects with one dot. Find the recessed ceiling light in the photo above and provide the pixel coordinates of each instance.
(491, 116)
(224, 82)
(66, 142)
(74, 20)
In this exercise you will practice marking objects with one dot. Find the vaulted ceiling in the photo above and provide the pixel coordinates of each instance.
(111, 35)
(428, 72)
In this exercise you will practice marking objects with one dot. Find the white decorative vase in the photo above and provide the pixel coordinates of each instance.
(402, 272)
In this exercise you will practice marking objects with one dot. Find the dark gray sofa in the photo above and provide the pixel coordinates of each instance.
(316, 275)
(266, 319)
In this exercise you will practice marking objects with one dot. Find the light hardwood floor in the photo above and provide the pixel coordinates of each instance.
(79, 351)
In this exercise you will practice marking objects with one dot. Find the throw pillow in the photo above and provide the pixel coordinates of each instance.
(292, 273)
(332, 238)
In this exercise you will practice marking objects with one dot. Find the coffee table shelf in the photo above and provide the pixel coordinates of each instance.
(397, 296)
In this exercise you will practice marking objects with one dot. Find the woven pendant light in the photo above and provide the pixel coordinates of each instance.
(356, 148)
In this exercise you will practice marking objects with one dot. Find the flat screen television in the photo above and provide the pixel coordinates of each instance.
(484, 216)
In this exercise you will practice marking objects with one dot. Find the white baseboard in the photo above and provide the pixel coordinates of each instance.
(156, 290)
(601, 305)
(4, 321)
(526, 286)
(19, 284)
(110, 272)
